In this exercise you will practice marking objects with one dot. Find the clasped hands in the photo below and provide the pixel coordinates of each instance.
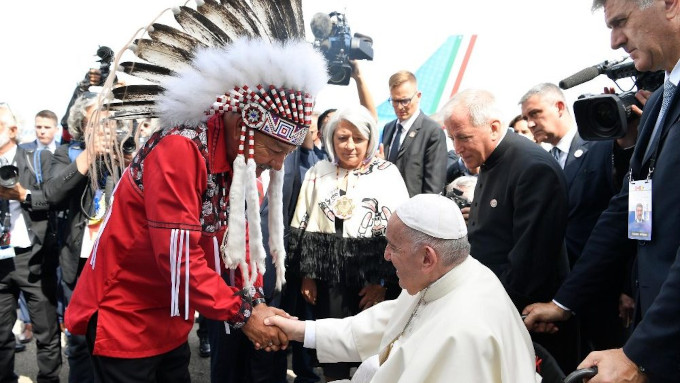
(270, 328)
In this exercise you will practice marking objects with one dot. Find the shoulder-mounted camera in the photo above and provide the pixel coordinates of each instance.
(333, 37)
(606, 116)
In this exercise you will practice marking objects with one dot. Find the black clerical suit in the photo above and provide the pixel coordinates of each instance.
(422, 156)
(654, 343)
(516, 228)
(33, 272)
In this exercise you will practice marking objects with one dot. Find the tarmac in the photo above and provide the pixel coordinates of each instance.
(26, 367)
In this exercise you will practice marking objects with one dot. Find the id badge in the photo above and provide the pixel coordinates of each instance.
(640, 210)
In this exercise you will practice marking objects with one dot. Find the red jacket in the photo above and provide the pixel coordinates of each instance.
(133, 279)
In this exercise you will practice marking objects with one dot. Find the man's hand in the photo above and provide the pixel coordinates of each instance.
(466, 213)
(308, 290)
(262, 336)
(294, 329)
(371, 296)
(613, 366)
(17, 193)
(540, 317)
(642, 96)
(94, 76)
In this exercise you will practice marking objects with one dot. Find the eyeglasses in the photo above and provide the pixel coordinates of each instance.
(403, 101)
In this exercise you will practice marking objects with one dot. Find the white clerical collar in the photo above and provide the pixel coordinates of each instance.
(449, 281)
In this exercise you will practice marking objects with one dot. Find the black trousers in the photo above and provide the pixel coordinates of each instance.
(80, 368)
(39, 290)
(171, 367)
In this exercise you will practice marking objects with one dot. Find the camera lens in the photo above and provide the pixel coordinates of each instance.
(9, 175)
(604, 113)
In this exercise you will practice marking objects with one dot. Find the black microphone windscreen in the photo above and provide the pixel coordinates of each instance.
(580, 77)
(321, 26)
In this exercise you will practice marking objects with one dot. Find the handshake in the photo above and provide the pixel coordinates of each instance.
(270, 328)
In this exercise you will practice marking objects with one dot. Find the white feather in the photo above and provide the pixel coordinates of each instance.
(214, 71)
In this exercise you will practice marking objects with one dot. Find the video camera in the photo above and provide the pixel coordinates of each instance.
(456, 195)
(332, 36)
(105, 58)
(9, 176)
(606, 116)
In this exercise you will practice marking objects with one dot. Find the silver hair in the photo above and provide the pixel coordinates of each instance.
(481, 105)
(362, 119)
(78, 113)
(8, 118)
(451, 251)
(463, 183)
(642, 4)
(548, 92)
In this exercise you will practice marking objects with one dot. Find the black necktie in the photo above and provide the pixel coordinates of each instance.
(394, 149)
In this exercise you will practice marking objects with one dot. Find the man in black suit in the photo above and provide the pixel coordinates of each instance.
(24, 262)
(414, 142)
(649, 32)
(590, 174)
(518, 216)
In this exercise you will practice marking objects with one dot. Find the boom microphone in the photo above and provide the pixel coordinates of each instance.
(321, 26)
(582, 76)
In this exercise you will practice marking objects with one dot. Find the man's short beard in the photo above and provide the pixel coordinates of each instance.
(4, 138)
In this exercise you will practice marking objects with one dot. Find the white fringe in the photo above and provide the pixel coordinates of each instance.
(216, 252)
(173, 271)
(179, 243)
(275, 222)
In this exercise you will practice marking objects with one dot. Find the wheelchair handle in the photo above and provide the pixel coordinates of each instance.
(578, 375)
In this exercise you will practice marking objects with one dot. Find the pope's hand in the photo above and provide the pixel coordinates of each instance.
(267, 337)
(294, 329)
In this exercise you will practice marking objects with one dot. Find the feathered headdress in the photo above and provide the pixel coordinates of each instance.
(233, 56)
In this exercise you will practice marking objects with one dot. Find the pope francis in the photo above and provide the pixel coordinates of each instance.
(453, 321)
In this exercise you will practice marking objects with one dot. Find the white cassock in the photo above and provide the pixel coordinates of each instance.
(465, 329)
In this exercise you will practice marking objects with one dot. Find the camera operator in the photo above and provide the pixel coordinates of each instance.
(649, 30)
(24, 260)
(93, 77)
(594, 171)
(70, 187)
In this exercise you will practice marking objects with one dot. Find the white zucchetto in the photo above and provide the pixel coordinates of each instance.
(434, 215)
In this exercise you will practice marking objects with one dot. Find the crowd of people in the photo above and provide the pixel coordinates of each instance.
(519, 253)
